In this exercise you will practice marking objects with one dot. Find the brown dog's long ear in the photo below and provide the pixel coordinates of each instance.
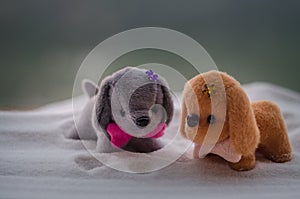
(168, 103)
(243, 130)
(103, 105)
(183, 115)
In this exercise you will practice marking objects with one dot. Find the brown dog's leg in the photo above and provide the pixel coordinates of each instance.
(245, 164)
(274, 141)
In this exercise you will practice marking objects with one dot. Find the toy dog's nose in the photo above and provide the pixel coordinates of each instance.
(142, 121)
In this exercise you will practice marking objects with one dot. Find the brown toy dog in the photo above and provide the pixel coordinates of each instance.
(217, 112)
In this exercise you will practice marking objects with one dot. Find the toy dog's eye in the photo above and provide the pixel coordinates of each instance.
(211, 119)
(192, 120)
(122, 112)
(154, 109)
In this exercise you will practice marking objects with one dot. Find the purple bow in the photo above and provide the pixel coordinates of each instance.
(152, 76)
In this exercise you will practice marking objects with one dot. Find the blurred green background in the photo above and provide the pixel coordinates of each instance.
(43, 43)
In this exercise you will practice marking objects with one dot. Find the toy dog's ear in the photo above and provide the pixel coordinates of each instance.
(243, 130)
(183, 115)
(168, 103)
(89, 88)
(103, 105)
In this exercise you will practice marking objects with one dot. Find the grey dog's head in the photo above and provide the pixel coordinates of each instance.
(134, 101)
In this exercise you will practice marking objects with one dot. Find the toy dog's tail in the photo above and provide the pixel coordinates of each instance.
(83, 129)
(89, 88)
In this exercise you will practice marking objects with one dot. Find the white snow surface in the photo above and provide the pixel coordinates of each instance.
(37, 161)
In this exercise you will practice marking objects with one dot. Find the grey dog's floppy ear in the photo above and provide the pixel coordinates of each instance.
(168, 103)
(103, 106)
(103, 99)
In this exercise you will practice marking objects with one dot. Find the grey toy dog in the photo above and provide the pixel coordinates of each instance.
(129, 110)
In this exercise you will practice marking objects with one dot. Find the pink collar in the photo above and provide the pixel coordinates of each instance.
(223, 149)
(119, 138)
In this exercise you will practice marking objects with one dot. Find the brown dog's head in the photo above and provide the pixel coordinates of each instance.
(215, 106)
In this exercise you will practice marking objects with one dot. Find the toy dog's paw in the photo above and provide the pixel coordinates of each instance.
(245, 164)
(145, 145)
(281, 158)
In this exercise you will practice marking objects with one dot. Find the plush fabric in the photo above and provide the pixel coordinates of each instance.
(131, 99)
(247, 126)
